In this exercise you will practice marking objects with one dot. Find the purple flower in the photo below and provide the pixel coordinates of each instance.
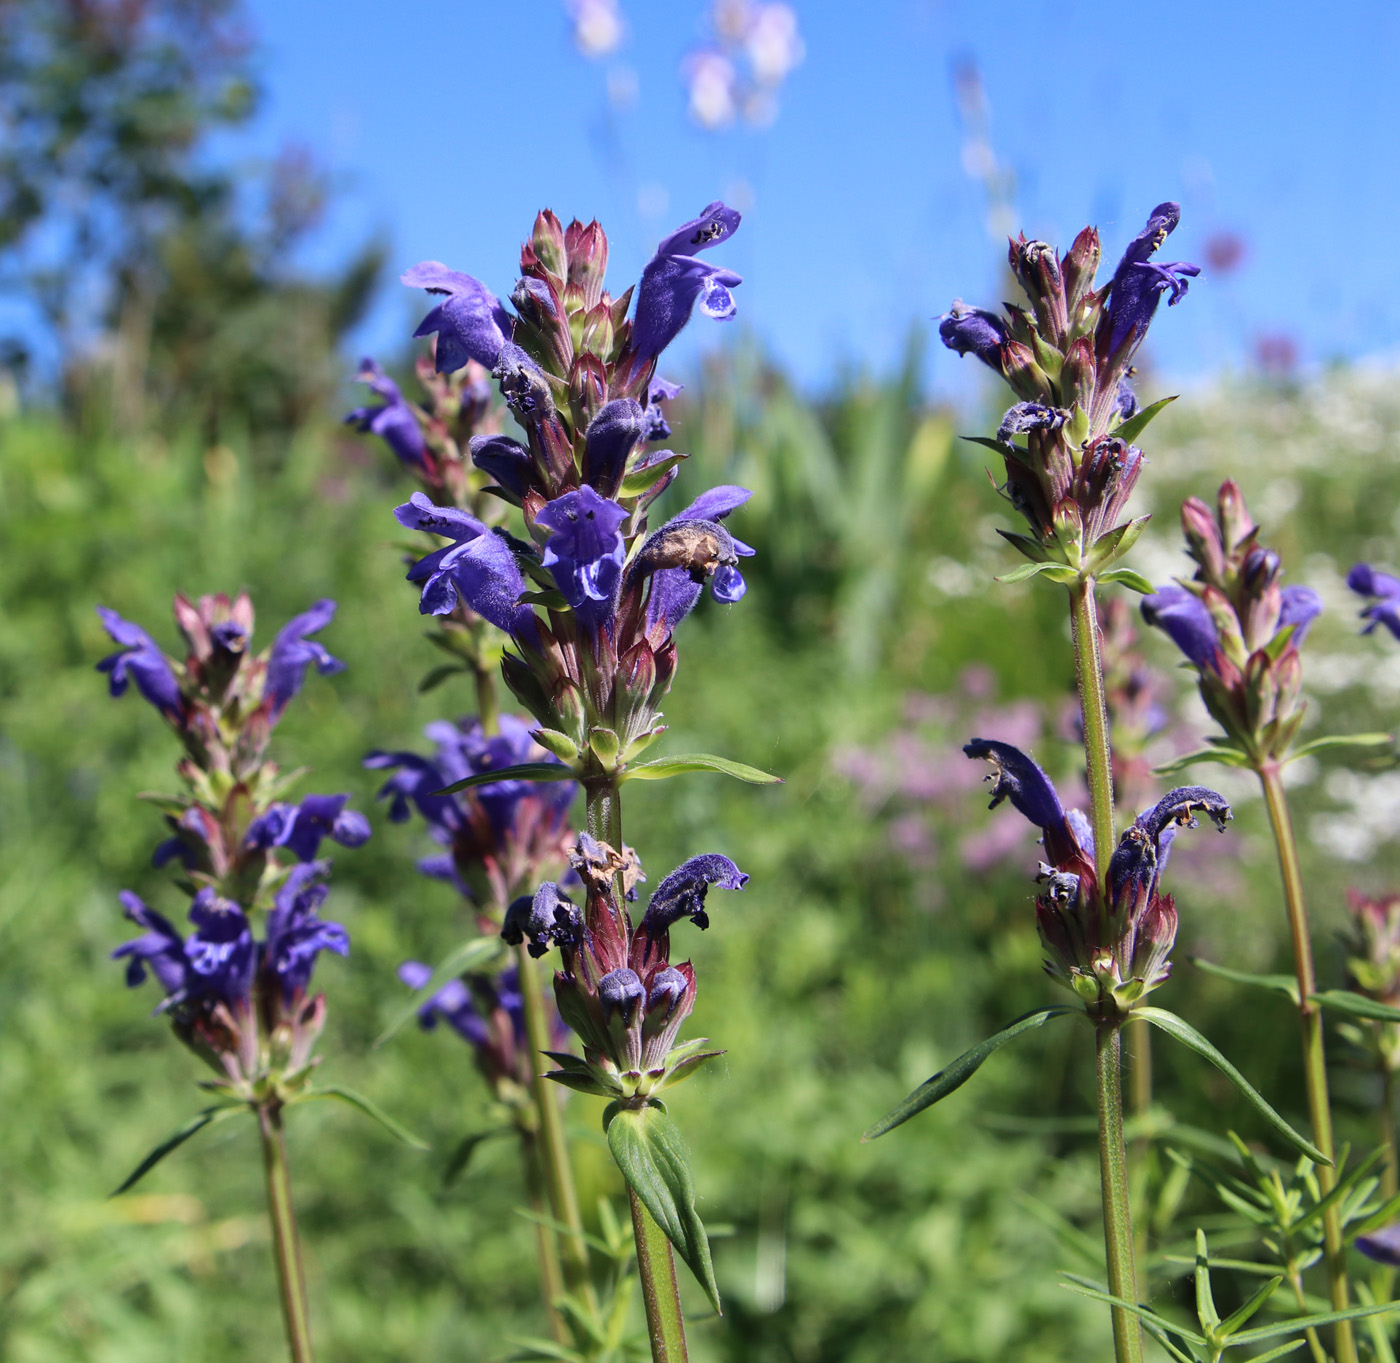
(611, 437)
(661, 390)
(221, 952)
(478, 568)
(1186, 620)
(1298, 606)
(967, 329)
(548, 916)
(160, 948)
(673, 281)
(470, 322)
(1139, 282)
(682, 893)
(394, 423)
(1029, 416)
(139, 658)
(674, 591)
(1382, 1245)
(1366, 581)
(586, 552)
(453, 1003)
(505, 460)
(292, 653)
(300, 827)
(1141, 855)
(1017, 777)
(295, 935)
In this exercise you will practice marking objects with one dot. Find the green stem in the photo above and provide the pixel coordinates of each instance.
(1295, 1281)
(656, 1267)
(553, 1144)
(1088, 662)
(1140, 1080)
(488, 710)
(1314, 1056)
(291, 1277)
(1390, 1182)
(656, 1264)
(1113, 1172)
(546, 1241)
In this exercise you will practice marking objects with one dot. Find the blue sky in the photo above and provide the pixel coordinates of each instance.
(448, 124)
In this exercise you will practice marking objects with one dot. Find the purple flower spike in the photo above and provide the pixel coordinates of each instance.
(1139, 283)
(1382, 1245)
(479, 568)
(586, 552)
(470, 322)
(976, 331)
(612, 436)
(674, 281)
(1366, 581)
(292, 653)
(140, 659)
(682, 893)
(1186, 620)
(1299, 607)
(394, 423)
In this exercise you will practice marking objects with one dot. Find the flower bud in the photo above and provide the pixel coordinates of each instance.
(1203, 538)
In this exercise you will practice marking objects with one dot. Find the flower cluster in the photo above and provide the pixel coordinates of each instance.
(1068, 358)
(499, 837)
(618, 989)
(591, 600)
(1110, 944)
(238, 998)
(1239, 626)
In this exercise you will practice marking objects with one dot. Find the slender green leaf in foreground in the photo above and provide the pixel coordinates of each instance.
(961, 1070)
(522, 771)
(177, 1138)
(661, 768)
(1191, 1038)
(370, 1109)
(1277, 984)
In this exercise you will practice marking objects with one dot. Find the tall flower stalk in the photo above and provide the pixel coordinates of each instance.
(1243, 631)
(237, 988)
(589, 601)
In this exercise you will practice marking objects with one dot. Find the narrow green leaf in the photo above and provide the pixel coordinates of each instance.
(1000, 446)
(438, 675)
(561, 1228)
(582, 1083)
(177, 1138)
(1025, 544)
(683, 1069)
(1356, 1005)
(1232, 1322)
(1193, 1040)
(1206, 1313)
(1056, 572)
(648, 1148)
(1380, 1341)
(1292, 1346)
(1126, 577)
(1382, 1216)
(524, 771)
(1228, 757)
(1300, 1323)
(662, 768)
(961, 1070)
(639, 480)
(370, 1109)
(1087, 1289)
(534, 1350)
(551, 600)
(1334, 741)
(476, 954)
(1343, 1188)
(1135, 425)
(1277, 984)
(466, 1148)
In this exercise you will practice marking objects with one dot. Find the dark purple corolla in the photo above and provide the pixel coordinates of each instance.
(675, 280)
(976, 331)
(295, 934)
(478, 568)
(470, 322)
(1384, 589)
(1139, 283)
(682, 893)
(292, 653)
(300, 827)
(395, 423)
(585, 552)
(140, 660)
(1183, 616)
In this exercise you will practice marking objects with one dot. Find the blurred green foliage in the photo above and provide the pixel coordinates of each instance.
(851, 968)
